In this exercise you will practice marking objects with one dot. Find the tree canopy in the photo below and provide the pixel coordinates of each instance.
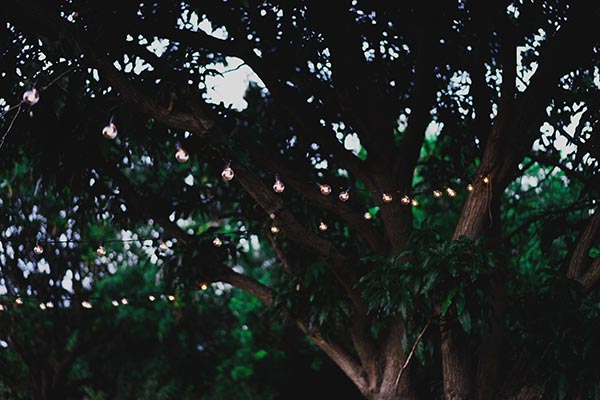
(413, 187)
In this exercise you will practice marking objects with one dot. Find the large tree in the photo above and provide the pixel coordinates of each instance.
(475, 119)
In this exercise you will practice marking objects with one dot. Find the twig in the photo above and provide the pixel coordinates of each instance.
(53, 81)
(412, 352)
(12, 122)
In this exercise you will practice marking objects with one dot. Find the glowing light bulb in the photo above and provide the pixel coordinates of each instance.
(110, 131)
(151, 298)
(274, 229)
(1, 307)
(162, 247)
(101, 251)
(31, 97)
(181, 155)
(124, 301)
(437, 194)
(217, 242)
(470, 187)
(49, 305)
(486, 179)
(19, 300)
(325, 190)
(344, 195)
(272, 215)
(297, 287)
(367, 215)
(386, 197)
(42, 306)
(414, 202)
(171, 297)
(278, 186)
(203, 285)
(451, 192)
(38, 249)
(115, 303)
(323, 226)
(86, 304)
(227, 173)
(405, 200)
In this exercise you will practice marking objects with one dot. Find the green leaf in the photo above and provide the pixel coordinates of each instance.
(465, 320)
(448, 301)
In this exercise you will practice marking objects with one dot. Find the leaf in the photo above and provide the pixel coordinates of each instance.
(465, 320)
(448, 301)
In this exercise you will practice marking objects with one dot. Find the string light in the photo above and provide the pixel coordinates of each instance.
(323, 226)
(31, 96)
(110, 131)
(151, 298)
(367, 215)
(49, 305)
(278, 186)
(217, 242)
(203, 285)
(386, 197)
(325, 190)
(486, 179)
(450, 192)
(162, 247)
(42, 306)
(470, 187)
(1, 307)
(38, 249)
(274, 229)
(124, 301)
(115, 303)
(227, 173)
(101, 251)
(414, 202)
(86, 304)
(437, 193)
(171, 297)
(19, 300)
(405, 200)
(181, 155)
(344, 195)
(272, 215)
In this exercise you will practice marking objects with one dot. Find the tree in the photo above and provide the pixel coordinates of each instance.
(452, 297)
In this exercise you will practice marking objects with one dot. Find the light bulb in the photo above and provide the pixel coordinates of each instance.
(344, 195)
(278, 186)
(272, 215)
(486, 179)
(151, 298)
(49, 305)
(110, 131)
(451, 192)
(325, 190)
(297, 287)
(1, 307)
(115, 303)
(437, 193)
(42, 306)
(19, 300)
(203, 285)
(217, 242)
(274, 229)
(181, 155)
(323, 226)
(38, 249)
(470, 187)
(124, 301)
(171, 297)
(386, 197)
(405, 200)
(227, 173)
(31, 97)
(101, 251)
(367, 215)
(86, 304)
(162, 247)
(414, 202)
